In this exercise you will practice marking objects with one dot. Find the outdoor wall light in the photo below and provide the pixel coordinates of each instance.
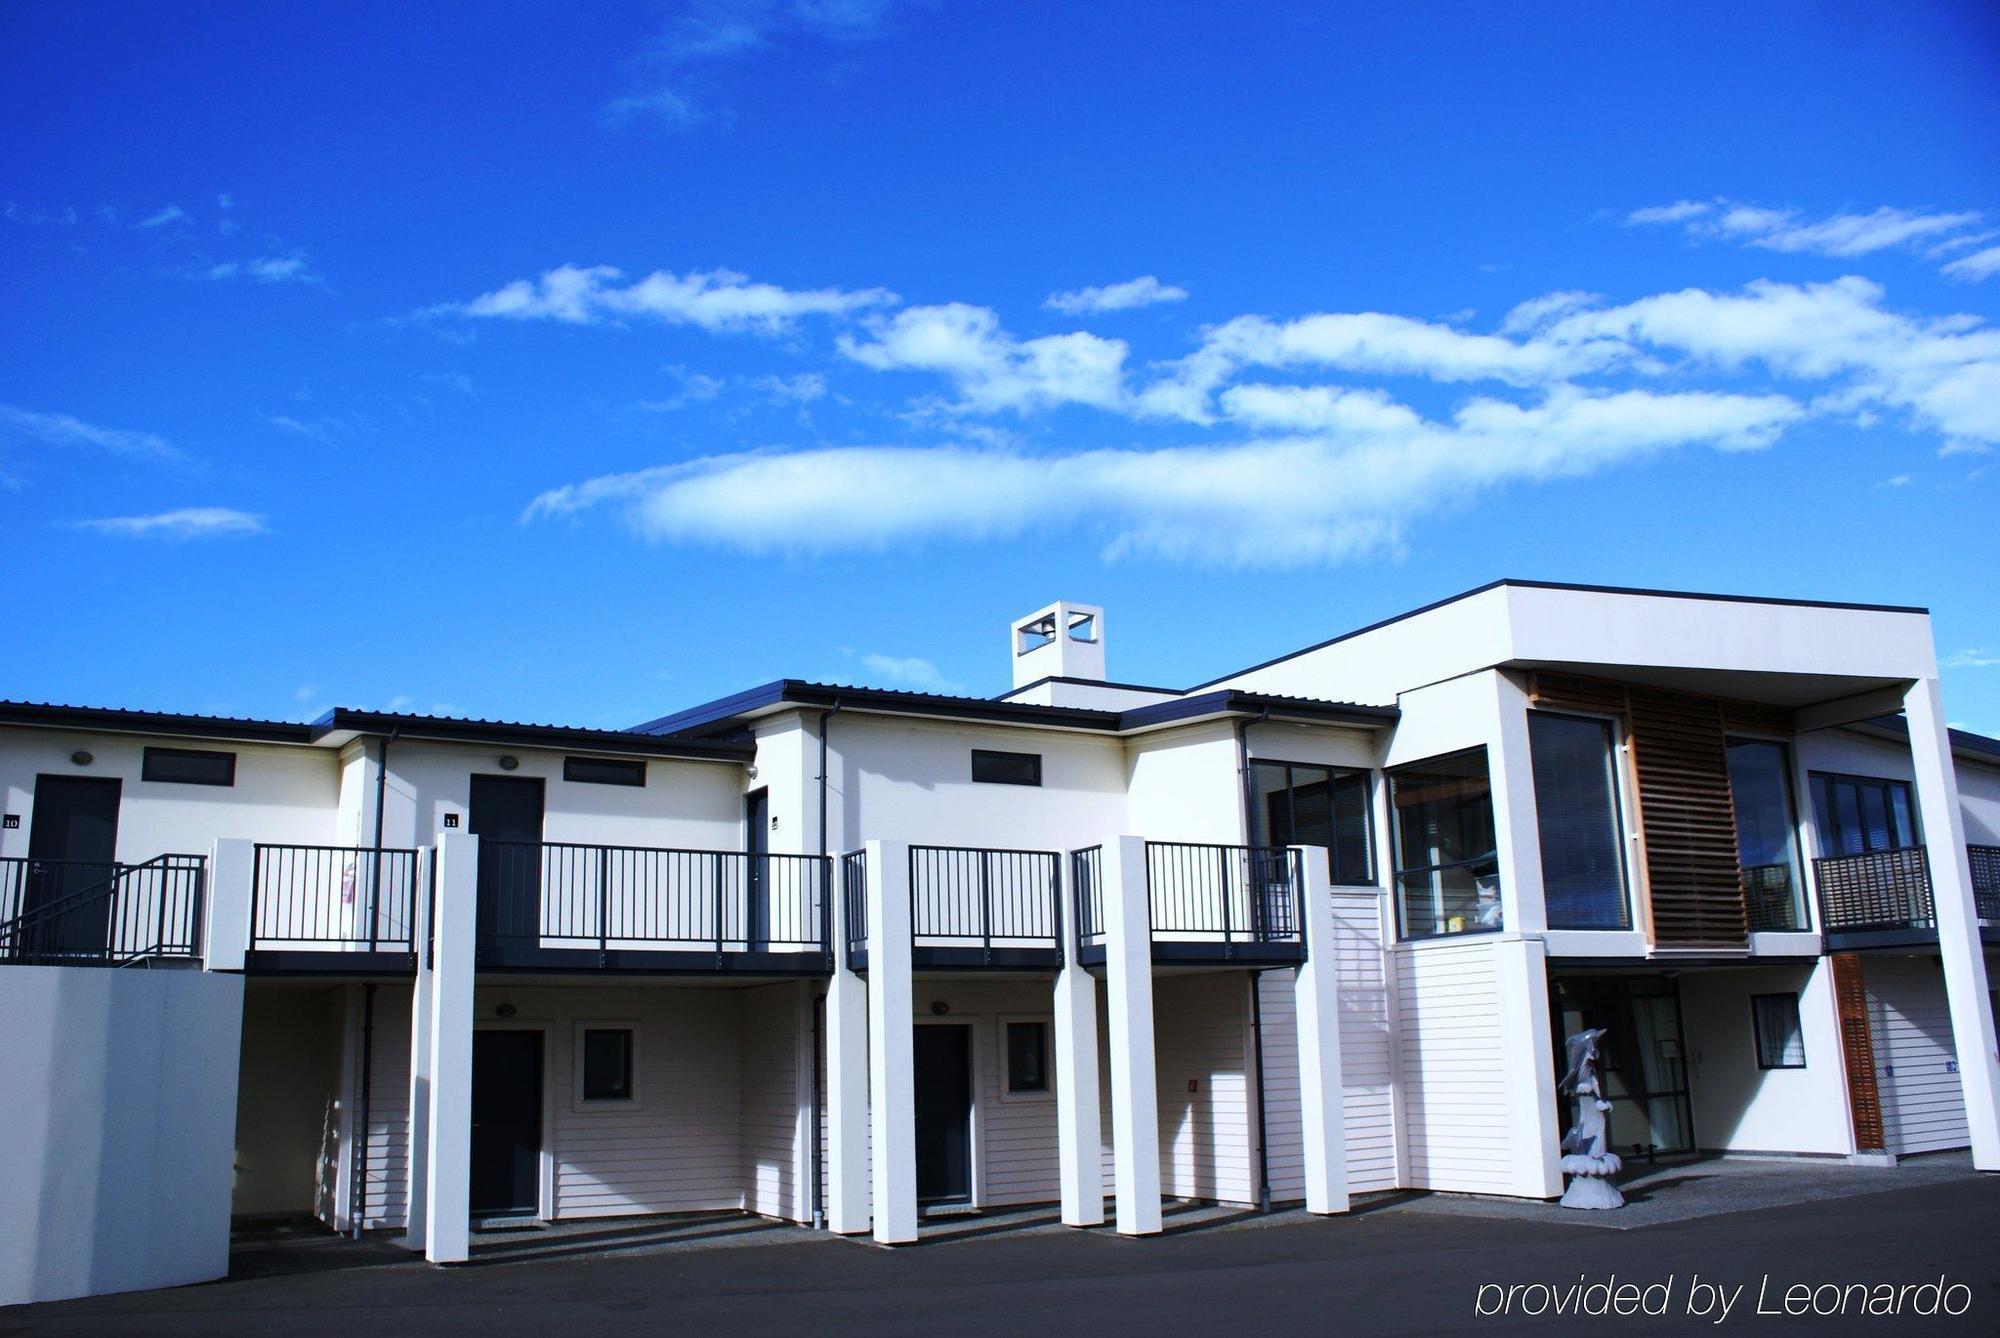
(940, 1007)
(508, 762)
(503, 1010)
(81, 758)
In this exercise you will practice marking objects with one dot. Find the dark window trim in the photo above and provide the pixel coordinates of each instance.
(1757, 1034)
(995, 755)
(634, 766)
(1909, 787)
(1612, 724)
(1370, 778)
(147, 771)
(631, 1092)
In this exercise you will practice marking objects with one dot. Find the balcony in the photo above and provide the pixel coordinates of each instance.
(68, 913)
(333, 910)
(971, 908)
(1205, 904)
(1985, 861)
(555, 906)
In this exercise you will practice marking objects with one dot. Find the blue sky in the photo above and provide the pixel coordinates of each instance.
(582, 365)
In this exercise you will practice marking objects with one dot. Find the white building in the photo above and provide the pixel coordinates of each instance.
(851, 956)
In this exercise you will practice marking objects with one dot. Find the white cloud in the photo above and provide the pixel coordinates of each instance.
(1678, 212)
(60, 429)
(266, 269)
(992, 370)
(803, 388)
(714, 300)
(918, 675)
(192, 522)
(173, 213)
(1979, 265)
(1144, 291)
(1842, 236)
(1972, 659)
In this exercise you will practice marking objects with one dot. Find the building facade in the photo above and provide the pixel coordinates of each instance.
(854, 957)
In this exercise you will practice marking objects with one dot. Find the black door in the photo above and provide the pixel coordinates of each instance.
(943, 1056)
(507, 817)
(757, 841)
(72, 849)
(506, 1122)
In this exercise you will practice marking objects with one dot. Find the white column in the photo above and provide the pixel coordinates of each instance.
(892, 1092)
(447, 1188)
(416, 1229)
(846, 1084)
(1316, 1002)
(226, 935)
(1079, 1130)
(1534, 1138)
(1517, 836)
(1959, 945)
(1128, 985)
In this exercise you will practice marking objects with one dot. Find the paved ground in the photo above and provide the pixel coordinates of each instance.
(1394, 1269)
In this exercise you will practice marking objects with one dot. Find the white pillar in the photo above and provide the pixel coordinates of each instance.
(226, 935)
(448, 1185)
(416, 1230)
(1534, 1139)
(1959, 945)
(892, 1092)
(1079, 1130)
(846, 1083)
(1128, 984)
(1517, 835)
(1316, 1001)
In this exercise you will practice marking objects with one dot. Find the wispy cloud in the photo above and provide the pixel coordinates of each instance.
(1843, 236)
(1972, 659)
(1979, 265)
(716, 300)
(1144, 291)
(910, 671)
(60, 429)
(172, 213)
(291, 268)
(991, 370)
(192, 522)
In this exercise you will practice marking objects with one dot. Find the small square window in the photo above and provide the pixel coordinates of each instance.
(1027, 1058)
(604, 771)
(1780, 1042)
(188, 766)
(1006, 768)
(607, 1064)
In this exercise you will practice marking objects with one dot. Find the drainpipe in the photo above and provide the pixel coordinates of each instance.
(819, 1004)
(1256, 995)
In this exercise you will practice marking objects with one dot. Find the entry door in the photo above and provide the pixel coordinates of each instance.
(1641, 1061)
(943, 1055)
(506, 1123)
(507, 817)
(757, 842)
(72, 846)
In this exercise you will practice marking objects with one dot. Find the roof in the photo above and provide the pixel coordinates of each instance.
(1962, 740)
(726, 712)
(341, 723)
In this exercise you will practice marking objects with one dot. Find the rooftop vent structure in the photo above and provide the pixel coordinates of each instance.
(1063, 640)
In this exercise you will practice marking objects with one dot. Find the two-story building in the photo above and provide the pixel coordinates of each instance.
(855, 957)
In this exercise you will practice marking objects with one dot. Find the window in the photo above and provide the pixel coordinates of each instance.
(1006, 768)
(1760, 790)
(607, 1064)
(1296, 805)
(1027, 1058)
(1858, 815)
(604, 771)
(185, 766)
(1776, 1020)
(1447, 874)
(1576, 811)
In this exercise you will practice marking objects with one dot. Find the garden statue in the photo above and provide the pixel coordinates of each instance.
(1587, 1154)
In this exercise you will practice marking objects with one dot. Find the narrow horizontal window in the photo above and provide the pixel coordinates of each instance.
(1780, 1043)
(188, 766)
(1027, 1057)
(1006, 768)
(604, 771)
(607, 1064)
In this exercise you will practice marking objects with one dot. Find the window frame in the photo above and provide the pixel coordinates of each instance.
(1397, 872)
(1766, 1064)
(151, 753)
(1614, 758)
(991, 754)
(1823, 830)
(1045, 1021)
(572, 760)
(1797, 805)
(1334, 772)
(634, 1066)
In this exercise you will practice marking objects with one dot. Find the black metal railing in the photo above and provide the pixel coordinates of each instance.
(854, 899)
(1985, 862)
(560, 895)
(1231, 894)
(1882, 889)
(68, 913)
(333, 898)
(966, 896)
(1086, 877)
(1769, 900)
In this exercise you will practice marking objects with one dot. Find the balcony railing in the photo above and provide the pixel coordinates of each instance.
(975, 906)
(1204, 903)
(332, 900)
(1770, 902)
(1086, 876)
(546, 903)
(854, 896)
(1985, 861)
(67, 913)
(1882, 889)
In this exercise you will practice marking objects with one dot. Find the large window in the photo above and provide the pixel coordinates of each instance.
(1860, 814)
(1297, 805)
(1760, 787)
(1576, 809)
(1447, 876)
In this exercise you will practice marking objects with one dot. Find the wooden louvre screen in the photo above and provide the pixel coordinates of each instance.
(1864, 1098)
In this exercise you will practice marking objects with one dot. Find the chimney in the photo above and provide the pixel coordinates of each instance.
(1064, 640)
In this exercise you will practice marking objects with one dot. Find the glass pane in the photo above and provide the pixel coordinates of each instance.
(1849, 836)
(1874, 817)
(1352, 859)
(1456, 899)
(1444, 811)
(607, 1065)
(1760, 787)
(1576, 805)
(1779, 1043)
(1903, 829)
(1270, 804)
(1027, 1057)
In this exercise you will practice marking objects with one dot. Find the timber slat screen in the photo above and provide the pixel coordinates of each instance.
(1850, 996)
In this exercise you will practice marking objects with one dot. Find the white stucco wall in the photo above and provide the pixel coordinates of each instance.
(1741, 1108)
(116, 1129)
(1979, 801)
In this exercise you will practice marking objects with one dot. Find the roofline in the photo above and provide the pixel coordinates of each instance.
(1084, 682)
(118, 720)
(1563, 585)
(1987, 747)
(789, 692)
